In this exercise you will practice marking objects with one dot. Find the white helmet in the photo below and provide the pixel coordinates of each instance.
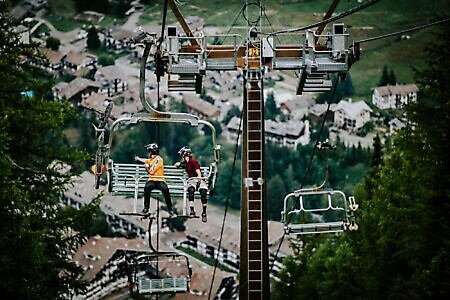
(185, 151)
(152, 148)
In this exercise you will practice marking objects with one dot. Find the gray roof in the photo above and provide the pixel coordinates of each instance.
(201, 106)
(404, 89)
(396, 123)
(292, 128)
(78, 85)
(320, 109)
(352, 109)
(299, 102)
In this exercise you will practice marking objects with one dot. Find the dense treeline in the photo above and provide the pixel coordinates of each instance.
(402, 248)
(37, 234)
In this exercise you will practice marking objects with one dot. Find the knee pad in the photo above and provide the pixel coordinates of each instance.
(191, 191)
(203, 193)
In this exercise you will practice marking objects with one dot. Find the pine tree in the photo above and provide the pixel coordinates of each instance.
(347, 87)
(35, 236)
(93, 42)
(392, 78)
(384, 80)
(270, 107)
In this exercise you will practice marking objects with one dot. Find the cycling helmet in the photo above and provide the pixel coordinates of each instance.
(153, 148)
(185, 151)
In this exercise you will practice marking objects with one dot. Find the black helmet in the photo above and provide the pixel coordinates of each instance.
(153, 148)
(185, 151)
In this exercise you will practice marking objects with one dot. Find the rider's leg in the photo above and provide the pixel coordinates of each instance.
(191, 191)
(162, 186)
(203, 193)
(149, 186)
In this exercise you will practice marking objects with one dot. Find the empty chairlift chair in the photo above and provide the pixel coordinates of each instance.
(158, 273)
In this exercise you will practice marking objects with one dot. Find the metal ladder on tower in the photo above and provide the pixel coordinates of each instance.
(254, 146)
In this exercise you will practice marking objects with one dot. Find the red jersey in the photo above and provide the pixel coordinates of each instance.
(191, 166)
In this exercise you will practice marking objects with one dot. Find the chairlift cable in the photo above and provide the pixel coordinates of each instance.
(163, 25)
(226, 204)
(309, 165)
(403, 31)
(330, 20)
(231, 26)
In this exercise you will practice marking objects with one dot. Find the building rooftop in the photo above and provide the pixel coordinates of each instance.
(399, 89)
(352, 109)
(76, 86)
(291, 128)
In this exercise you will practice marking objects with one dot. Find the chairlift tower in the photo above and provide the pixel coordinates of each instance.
(186, 57)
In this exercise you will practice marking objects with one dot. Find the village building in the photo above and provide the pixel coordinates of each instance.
(394, 96)
(118, 39)
(318, 112)
(351, 116)
(19, 13)
(75, 91)
(395, 125)
(79, 63)
(54, 62)
(201, 108)
(297, 107)
(35, 5)
(286, 134)
(24, 32)
(102, 258)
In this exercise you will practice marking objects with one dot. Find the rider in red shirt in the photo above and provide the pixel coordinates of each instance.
(195, 182)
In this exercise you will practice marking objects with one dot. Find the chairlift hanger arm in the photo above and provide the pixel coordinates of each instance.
(153, 113)
(329, 13)
(182, 21)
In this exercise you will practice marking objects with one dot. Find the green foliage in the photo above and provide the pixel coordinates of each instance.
(387, 77)
(121, 8)
(93, 42)
(36, 235)
(52, 43)
(234, 111)
(101, 6)
(275, 188)
(346, 86)
(270, 108)
(338, 93)
(106, 60)
(401, 249)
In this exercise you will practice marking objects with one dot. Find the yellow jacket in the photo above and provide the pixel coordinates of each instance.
(156, 168)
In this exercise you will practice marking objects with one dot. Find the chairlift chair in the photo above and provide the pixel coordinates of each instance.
(127, 179)
(319, 209)
(152, 273)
